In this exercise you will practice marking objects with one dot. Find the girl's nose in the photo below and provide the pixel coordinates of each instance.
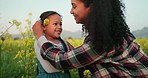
(59, 26)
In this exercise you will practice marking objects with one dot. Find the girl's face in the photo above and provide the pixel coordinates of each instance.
(79, 11)
(54, 28)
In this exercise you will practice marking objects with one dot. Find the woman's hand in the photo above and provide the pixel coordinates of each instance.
(37, 29)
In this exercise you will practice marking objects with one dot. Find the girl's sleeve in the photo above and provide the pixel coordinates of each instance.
(76, 58)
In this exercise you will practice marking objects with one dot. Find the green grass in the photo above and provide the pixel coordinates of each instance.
(8, 65)
(9, 68)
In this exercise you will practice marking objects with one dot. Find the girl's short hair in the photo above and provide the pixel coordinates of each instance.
(46, 14)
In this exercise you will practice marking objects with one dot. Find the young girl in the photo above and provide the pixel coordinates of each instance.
(52, 27)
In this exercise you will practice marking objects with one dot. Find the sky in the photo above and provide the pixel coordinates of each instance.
(135, 11)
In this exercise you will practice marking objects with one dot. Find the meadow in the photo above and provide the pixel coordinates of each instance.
(18, 60)
(17, 57)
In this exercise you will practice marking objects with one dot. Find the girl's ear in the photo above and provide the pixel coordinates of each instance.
(44, 28)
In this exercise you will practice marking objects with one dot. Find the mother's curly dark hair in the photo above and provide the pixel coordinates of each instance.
(106, 23)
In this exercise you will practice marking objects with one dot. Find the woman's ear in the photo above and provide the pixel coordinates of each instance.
(90, 6)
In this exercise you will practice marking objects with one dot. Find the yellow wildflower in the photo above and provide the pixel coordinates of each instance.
(46, 22)
(87, 74)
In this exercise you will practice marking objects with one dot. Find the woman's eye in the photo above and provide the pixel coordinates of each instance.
(60, 24)
(73, 7)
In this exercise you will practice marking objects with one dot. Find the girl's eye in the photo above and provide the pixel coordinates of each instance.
(55, 23)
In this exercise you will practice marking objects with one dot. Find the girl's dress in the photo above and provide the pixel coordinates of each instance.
(44, 68)
(43, 74)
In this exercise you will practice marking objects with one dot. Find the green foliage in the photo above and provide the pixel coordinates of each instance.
(143, 42)
(26, 56)
(22, 58)
(75, 42)
(8, 65)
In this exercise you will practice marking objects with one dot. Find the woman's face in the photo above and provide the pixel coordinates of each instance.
(79, 11)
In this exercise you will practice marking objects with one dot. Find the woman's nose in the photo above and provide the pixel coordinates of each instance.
(71, 11)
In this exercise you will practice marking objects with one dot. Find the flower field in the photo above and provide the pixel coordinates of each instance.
(17, 57)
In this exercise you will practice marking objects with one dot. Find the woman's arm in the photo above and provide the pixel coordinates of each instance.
(78, 57)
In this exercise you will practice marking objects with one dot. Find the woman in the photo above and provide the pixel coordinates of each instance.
(108, 51)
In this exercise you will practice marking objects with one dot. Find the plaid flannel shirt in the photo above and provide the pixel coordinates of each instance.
(128, 61)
